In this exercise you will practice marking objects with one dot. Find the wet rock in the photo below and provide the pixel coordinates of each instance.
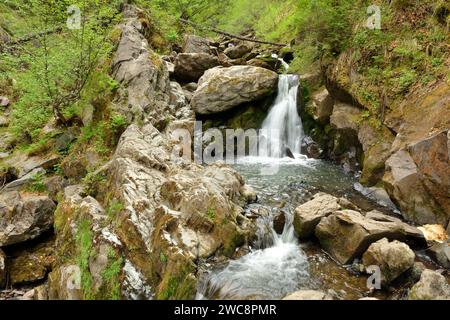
(309, 214)
(440, 252)
(278, 222)
(308, 295)
(403, 182)
(393, 259)
(196, 44)
(432, 286)
(191, 66)
(235, 52)
(311, 148)
(379, 195)
(24, 217)
(221, 89)
(347, 234)
(322, 106)
(415, 272)
(2, 269)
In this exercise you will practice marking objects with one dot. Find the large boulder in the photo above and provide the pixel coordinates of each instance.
(24, 216)
(393, 259)
(432, 286)
(221, 89)
(191, 66)
(440, 252)
(410, 188)
(196, 44)
(155, 216)
(236, 52)
(322, 106)
(308, 295)
(347, 234)
(141, 71)
(309, 214)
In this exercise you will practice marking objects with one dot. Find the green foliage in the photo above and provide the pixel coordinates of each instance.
(211, 213)
(162, 257)
(111, 276)
(37, 184)
(91, 181)
(114, 208)
(84, 251)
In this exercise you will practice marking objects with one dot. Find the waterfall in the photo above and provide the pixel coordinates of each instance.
(282, 128)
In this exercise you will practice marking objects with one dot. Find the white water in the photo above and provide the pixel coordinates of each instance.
(277, 266)
(283, 127)
(269, 273)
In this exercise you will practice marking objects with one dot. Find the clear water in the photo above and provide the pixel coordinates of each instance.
(276, 264)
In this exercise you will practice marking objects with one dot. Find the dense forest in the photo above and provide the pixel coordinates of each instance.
(351, 199)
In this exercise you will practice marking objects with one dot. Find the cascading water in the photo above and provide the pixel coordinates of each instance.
(277, 265)
(267, 273)
(283, 128)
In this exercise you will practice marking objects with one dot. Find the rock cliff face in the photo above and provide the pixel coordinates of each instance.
(406, 150)
(145, 218)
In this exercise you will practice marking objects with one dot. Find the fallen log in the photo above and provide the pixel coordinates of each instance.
(229, 35)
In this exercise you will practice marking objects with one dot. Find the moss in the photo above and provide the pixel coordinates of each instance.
(84, 252)
(111, 277)
(178, 282)
(233, 238)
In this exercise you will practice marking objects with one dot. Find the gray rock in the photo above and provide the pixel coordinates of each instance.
(24, 217)
(221, 89)
(196, 44)
(393, 259)
(191, 66)
(432, 286)
(309, 214)
(24, 181)
(24, 164)
(235, 52)
(440, 252)
(322, 105)
(347, 234)
(142, 73)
